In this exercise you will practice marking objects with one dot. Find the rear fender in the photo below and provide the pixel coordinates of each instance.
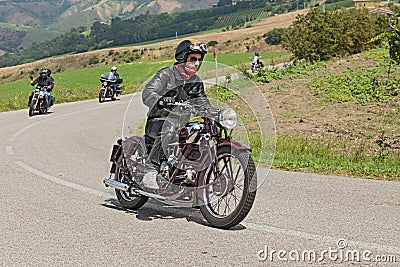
(125, 147)
(115, 155)
(130, 144)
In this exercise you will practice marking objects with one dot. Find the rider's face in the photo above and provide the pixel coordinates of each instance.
(193, 61)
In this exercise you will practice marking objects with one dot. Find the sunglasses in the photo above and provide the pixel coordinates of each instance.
(194, 59)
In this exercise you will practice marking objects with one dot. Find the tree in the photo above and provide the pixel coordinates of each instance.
(274, 37)
(322, 35)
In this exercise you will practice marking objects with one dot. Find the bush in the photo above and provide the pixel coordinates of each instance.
(93, 60)
(212, 43)
(274, 37)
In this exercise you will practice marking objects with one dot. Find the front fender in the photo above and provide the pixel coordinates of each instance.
(235, 144)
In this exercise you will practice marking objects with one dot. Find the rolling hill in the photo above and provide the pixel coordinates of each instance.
(26, 20)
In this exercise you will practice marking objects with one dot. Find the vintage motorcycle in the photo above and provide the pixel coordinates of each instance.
(106, 90)
(37, 101)
(204, 169)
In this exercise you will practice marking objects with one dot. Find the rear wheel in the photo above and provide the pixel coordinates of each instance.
(229, 195)
(134, 164)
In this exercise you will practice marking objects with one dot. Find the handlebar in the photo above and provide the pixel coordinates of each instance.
(179, 104)
(206, 114)
(41, 88)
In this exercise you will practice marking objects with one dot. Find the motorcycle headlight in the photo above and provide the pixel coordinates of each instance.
(228, 118)
(105, 83)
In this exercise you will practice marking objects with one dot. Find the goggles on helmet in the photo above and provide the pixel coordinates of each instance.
(199, 47)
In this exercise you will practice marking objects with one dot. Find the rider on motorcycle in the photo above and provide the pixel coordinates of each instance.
(43, 80)
(113, 76)
(257, 59)
(177, 83)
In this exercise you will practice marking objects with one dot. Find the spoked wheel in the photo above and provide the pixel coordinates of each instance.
(228, 195)
(102, 96)
(134, 162)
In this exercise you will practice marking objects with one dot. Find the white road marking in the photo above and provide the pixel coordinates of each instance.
(78, 187)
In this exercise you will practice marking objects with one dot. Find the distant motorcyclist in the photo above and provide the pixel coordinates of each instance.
(113, 76)
(256, 62)
(169, 85)
(257, 58)
(43, 80)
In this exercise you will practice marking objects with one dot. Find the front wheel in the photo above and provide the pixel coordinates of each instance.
(31, 108)
(228, 194)
(102, 96)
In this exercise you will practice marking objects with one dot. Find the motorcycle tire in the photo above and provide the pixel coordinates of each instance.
(31, 111)
(127, 201)
(217, 192)
(102, 96)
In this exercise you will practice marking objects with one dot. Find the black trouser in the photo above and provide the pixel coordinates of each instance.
(163, 132)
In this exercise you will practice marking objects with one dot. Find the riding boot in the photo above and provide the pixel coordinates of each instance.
(150, 178)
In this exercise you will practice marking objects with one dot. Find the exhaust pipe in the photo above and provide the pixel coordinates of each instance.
(117, 185)
(125, 187)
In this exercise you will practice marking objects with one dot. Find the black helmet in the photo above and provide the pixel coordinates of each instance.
(43, 71)
(187, 47)
(256, 53)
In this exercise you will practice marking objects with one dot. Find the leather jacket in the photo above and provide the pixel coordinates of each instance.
(169, 82)
(46, 81)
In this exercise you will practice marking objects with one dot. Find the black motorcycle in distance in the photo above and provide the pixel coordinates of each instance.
(106, 90)
(37, 100)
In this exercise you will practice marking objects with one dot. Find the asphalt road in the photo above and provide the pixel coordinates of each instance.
(55, 210)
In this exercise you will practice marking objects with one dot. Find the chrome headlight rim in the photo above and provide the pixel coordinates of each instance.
(228, 118)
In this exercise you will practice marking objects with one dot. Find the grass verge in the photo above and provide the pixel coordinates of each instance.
(299, 153)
